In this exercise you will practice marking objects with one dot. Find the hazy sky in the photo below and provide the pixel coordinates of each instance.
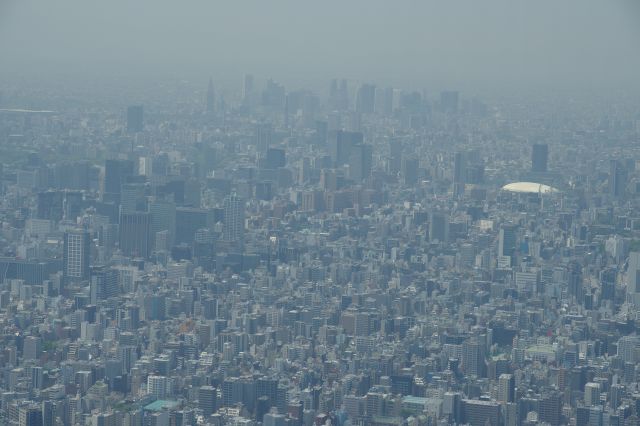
(424, 43)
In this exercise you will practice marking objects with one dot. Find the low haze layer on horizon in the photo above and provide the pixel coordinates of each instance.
(470, 45)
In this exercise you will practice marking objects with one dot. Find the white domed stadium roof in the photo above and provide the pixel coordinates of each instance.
(529, 188)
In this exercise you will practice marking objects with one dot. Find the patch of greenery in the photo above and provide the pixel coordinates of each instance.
(634, 245)
(49, 345)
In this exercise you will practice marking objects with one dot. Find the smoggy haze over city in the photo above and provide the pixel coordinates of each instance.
(466, 44)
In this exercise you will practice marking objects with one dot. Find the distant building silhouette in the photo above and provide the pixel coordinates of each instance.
(539, 158)
(449, 101)
(135, 122)
(340, 145)
(360, 161)
(211, 98)
(617, 178)
(366, 99)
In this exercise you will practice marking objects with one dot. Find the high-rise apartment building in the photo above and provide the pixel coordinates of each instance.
(233, 218)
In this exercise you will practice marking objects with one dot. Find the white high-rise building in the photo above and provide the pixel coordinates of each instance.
(76, 255)
(233, 219)
(591, 394)
(633, 279)
(160, 387)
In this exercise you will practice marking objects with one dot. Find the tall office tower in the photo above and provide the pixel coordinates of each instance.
(262, 407)
(410, 171)
(595, 416)
(608, 279)
(343, 95)
(132, 197)
(192, 193)
(50, 205)
(135, 234)
(507, 240)
(262, 137)
(339, 95)
(633, 279)
(592, 394)
(550, 408)
(473, 360)
(48, 413)
(274, 96)
(72, 175)
(233, 218)
(396, 147)
(208, 157)
(76, 256)
(160, 164)
(411, 102)
(360, 161)
(135, 122)
(379, 101)
(459, 173)
(629, 349)
(438, 227)
(274, 419)
(452, 406)
(539, 157)
(211, 98)
(189, 221)
(116, 173)
(366, 99)
(207, 396)
(616, 393)
(575, 280)
(32, 348)
(30, 415)
(384, 101)
(479, 412)
(231, 389)
(247, 90)
(163, 218)
(275, 158)
(449, 101)
(333, 88)
(617, 178)
(353, 122)
(104, 283)
(72, 205)
(334, 95)
(104, 419)
(267, 387)
(322, 133)
(37, 377)
(475, 173)
(506, 388)
(340, 144)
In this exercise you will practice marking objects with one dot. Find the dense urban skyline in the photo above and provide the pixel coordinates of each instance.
(319, 214)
